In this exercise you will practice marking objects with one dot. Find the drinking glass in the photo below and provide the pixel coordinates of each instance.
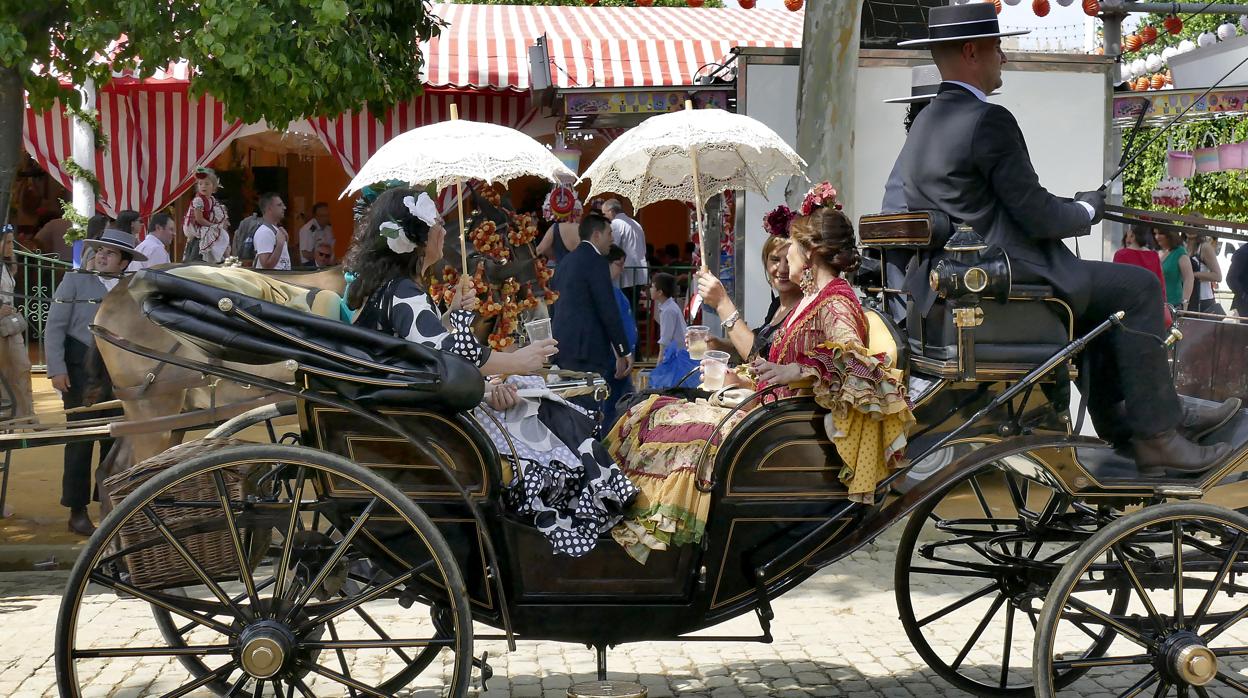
(695, 340)
(714, 368)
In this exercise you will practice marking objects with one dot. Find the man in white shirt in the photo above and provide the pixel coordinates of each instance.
(315, 232)
(628, 234)
(272, 250)
(155, 247)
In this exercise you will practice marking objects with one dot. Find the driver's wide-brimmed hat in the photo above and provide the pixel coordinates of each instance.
(118, 240)
(924, 84)
(976, 20)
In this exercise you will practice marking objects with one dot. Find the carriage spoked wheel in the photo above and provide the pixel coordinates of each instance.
(1184, 631)
(973, 566)
(262, 583)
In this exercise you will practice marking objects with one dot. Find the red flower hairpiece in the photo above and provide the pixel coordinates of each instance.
(778, 220)
(822, 194)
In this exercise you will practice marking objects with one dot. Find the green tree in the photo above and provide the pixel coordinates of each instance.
(274, 59)
(1217, 194)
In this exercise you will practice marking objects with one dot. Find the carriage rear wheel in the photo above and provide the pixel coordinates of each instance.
(973, 565)
(264, 583)
(1184, 632)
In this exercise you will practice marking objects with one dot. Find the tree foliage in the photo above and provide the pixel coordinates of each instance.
(274, 59)
(1217, 194)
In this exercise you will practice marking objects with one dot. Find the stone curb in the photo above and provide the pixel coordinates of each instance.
(25, 558)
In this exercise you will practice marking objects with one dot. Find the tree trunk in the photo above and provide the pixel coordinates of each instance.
(829, 86)
(12, 107)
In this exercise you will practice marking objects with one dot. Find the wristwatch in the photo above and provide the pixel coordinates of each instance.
(732, 320)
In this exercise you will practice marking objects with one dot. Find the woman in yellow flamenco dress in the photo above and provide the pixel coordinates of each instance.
(820, 349)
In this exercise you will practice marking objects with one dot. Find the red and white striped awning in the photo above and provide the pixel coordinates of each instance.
(156, 140)
(487, 45)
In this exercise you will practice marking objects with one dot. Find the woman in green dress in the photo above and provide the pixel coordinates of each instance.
(1175, 267)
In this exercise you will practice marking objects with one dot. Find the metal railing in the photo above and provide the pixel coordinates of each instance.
(35, 281)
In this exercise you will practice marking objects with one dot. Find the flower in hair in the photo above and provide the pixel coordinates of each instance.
(396, 238)
(778, 220)
(822, 194)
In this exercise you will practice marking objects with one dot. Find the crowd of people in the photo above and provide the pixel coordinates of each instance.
(1186, 264)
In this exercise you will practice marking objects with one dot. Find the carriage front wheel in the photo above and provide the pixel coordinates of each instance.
(1183, 632)
(973, 565)
(272, 570)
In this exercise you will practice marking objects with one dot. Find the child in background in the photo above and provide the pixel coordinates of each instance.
(207, 220)
(674, 361)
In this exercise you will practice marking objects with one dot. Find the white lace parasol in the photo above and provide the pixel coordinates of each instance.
(459, 149)
(656, 160)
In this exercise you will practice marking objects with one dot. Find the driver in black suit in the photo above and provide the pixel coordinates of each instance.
(967, 158)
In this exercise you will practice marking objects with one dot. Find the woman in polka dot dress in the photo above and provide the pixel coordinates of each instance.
(563, 480)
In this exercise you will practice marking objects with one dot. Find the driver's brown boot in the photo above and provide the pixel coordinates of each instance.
(1199, 421)
(1170, 451)
(80, 522)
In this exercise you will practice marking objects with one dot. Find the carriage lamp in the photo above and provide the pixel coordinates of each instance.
(970, 271)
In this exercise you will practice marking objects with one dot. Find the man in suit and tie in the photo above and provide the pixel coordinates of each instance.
(586, 319)
(967, 158)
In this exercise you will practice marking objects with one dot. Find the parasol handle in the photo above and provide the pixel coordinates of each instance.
(697, 199)
(459, 198)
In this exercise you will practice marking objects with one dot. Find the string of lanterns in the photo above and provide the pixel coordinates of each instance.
(1148, 72)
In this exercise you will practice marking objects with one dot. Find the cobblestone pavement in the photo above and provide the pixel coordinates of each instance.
(836, 635)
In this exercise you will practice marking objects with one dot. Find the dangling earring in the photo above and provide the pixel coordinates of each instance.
(807, 282)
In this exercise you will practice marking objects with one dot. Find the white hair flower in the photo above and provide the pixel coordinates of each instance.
(396, 239)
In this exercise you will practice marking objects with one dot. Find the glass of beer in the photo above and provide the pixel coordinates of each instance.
(538, 330)
(714, 368)
(695, 340)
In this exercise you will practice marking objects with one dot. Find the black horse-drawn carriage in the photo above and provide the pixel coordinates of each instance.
(264, 564)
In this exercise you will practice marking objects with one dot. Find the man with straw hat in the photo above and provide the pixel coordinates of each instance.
(968, 158)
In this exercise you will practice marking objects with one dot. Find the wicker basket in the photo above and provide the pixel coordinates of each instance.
(159, 566)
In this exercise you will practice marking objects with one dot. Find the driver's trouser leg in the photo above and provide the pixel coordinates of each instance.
(1142, 375)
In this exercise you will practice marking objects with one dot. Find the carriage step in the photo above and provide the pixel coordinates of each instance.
(487, 671)
(607, 689)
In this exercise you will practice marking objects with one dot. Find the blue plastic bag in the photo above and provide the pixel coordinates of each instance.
(673, 366)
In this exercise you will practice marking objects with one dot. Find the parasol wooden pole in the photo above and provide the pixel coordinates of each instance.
(459, 197)
(697, 199)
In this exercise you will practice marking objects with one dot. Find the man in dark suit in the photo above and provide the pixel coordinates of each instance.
(586, 319)
(967, 158)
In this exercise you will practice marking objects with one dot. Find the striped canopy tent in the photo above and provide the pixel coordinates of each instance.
(159, 135)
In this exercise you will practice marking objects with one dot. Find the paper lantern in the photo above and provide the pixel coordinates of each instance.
(1040, 7)
(1173, 24)
(1065, 3)
(1142, 83)
(996, 4)
(1154, 64)
(1226, 32)
(1186, 46)
(1012, 3)
(1206, 39)
(1168, 53)
(793, 5)
(695, 3)
(645, 3)
(1131, 43)
(1091, 8)
(746, 4)
(1158, 81)
(1169, 78)
(1243, 22)
(1139, 67)
(1148, 35)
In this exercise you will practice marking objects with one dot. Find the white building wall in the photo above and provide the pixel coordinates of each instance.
(1063, 115)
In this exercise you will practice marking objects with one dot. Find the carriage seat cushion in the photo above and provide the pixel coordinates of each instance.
(403, 373)
(1024, 331)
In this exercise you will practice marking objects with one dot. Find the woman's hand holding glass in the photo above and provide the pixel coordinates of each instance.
(776, 374)
(534, 356)
(465, 296)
